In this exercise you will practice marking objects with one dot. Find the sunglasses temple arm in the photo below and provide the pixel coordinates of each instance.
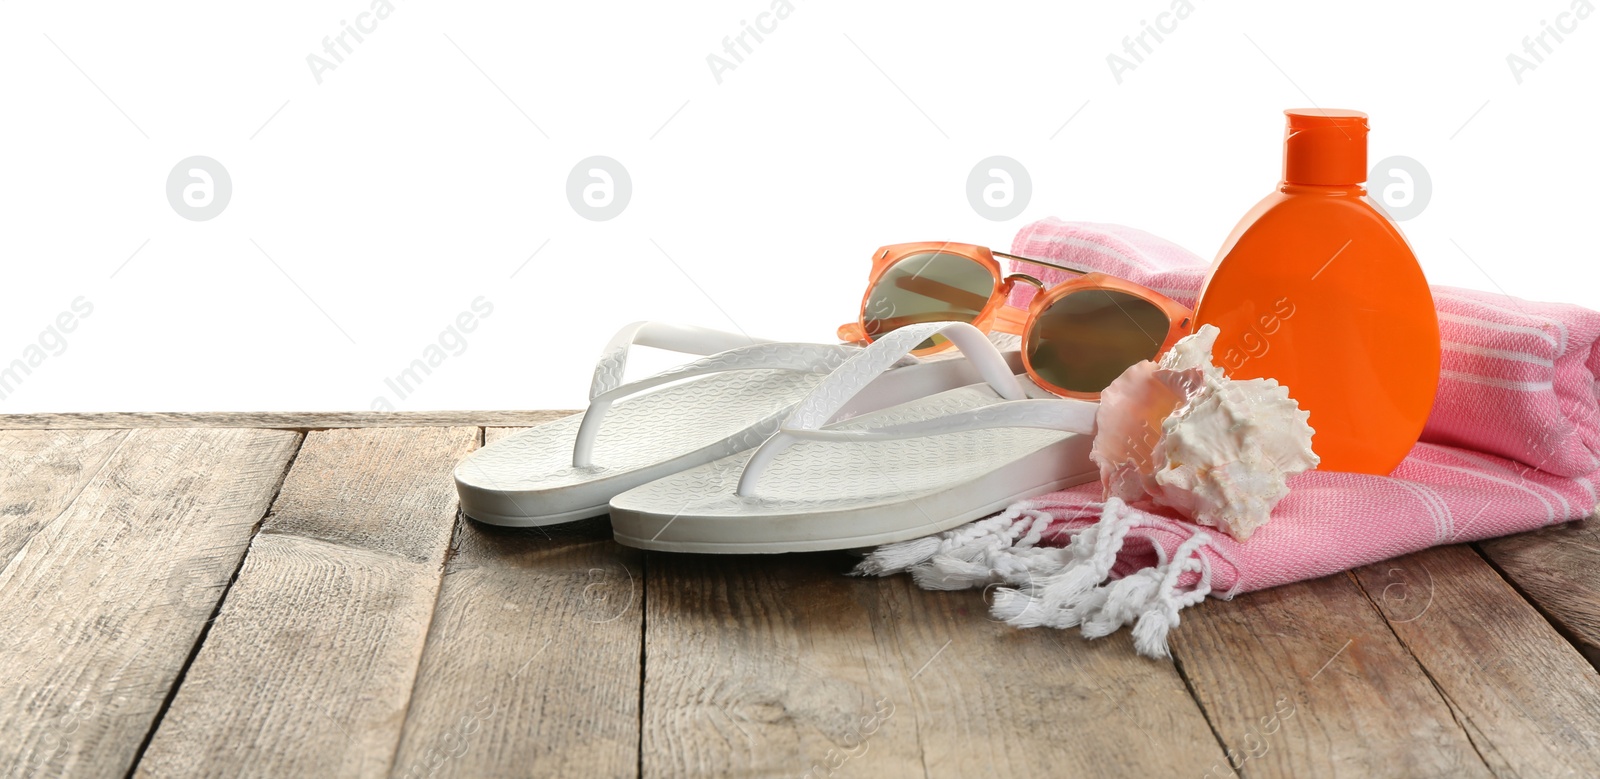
(1045, 263)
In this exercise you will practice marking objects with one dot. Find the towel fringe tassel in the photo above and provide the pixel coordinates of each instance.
(1057, 587)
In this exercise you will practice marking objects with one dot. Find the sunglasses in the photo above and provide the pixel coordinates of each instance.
(1077, 336)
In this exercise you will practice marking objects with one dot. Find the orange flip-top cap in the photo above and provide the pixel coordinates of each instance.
(1325, 147)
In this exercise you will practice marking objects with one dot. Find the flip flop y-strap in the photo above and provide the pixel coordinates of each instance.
(686, 339)
(1015, 410)
(762, 355)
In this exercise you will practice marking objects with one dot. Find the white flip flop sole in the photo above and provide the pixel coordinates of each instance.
(528, 478)
(899, 473)
(531, 478)
(822, 495)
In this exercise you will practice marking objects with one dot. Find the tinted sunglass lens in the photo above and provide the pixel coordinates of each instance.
(927, 287)
(1085, 340)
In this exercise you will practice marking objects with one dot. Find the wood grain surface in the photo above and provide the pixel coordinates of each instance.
(41, 471)
(311, 662)
(532, 668)
(1307, 680)
(163, 614)
(102, 605)
(1528, 699)
(533, 662)
(762, 666)
(1558, 569)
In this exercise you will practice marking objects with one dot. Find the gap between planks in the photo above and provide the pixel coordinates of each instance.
(183, 672)
(532, 664)
(1464, 718)
(323, 629)
(124, 575)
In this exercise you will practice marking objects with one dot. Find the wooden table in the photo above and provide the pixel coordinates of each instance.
(297, 595)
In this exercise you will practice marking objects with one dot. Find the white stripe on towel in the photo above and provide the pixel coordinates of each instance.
(1557, 323)
(1499, 354)
(1519, 386)
(1443, 520)
(1498, 326)
(1500, 467)
(1549, 507)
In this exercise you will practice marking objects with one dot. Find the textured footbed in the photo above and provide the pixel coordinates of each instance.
(528, 478)
(838, 495)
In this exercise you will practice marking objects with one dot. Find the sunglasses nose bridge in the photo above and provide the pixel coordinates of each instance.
(1024, 278)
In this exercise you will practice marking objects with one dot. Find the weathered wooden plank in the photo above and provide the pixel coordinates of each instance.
(40, 473)
(103, 605)
(532, 665)
(1558, 568)
(780, 665)
(1037, 702)
(1528, 699)
(1308, 680)
(532, 662)
(281, 420)
(307, 670)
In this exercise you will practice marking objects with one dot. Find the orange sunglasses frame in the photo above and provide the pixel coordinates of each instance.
(998, 316)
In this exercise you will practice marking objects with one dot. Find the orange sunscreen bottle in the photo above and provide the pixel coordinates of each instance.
(1318, 289)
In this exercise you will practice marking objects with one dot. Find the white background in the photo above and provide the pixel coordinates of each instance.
(406, 184)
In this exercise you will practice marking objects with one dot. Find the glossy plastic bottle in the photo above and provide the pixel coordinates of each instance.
(1318, 289)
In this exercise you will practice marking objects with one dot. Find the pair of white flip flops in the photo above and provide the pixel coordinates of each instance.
(780, 447)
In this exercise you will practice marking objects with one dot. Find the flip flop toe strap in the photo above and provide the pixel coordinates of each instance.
(761, 355)
(806, 423)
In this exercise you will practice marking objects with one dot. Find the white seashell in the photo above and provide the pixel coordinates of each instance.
(1128, 428)
(1186, 436)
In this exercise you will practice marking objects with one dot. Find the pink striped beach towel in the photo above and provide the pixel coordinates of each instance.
(1511, 445)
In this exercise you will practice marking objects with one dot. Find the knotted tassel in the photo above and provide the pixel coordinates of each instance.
(1057, 587)
(1150, 633)
(1149, 599)
(893, 558)
(1120, 602)
(1051, 601)
(972, 555)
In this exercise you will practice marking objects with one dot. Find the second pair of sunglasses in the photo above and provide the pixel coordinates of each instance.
(1077, 336)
